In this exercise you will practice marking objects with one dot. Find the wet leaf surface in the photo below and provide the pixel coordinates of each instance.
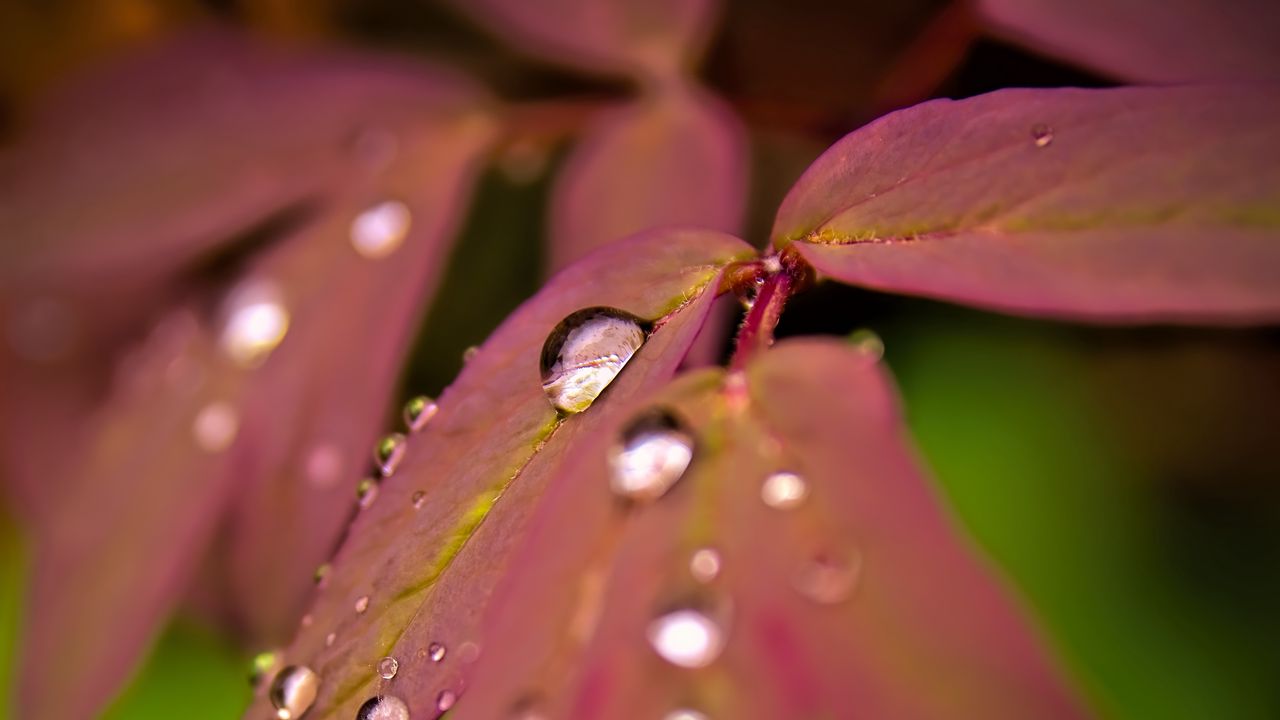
(418, 569)
(844, 589)
(1136, 204)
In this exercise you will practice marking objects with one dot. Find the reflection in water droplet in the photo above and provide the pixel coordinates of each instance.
(829, 578)
(387, 667)
(324, 464)
(261, 666)
(366, 492)
(362, 603)
(380, 230)
(585, 352)
(293, 691)
(1041, 134)
(868, 343)
(435, 651)
(215, 426)
(686, 638)
(784, 490)
(418, 412)
(389, 452)
(654, 453)
(705, 565)
(383, 707)
(445, 700)
(685, 714)
(256, 322)
(418, 499)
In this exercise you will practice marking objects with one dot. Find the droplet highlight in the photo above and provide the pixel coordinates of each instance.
(418, 412)
(256, 322)
(585, 352)
(293, 691)
(652, 456)
(380, 230)
(784, 490)
(1041, 135)
(687, 638)
(389, 453)
(215, 426)
(388, 667)
(383, 707)
(704, 565)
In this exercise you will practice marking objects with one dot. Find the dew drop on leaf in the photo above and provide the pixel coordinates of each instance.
(383, 707)
(868, 343)
(686, 637)
(470, 354)
(468, 652)
(321, 574)
(387, 667)
(418, 498)
(389, 452)
(1041, 134)
(215, 426)
(585, 352)
(445, 700)
(380, 230)
(330, 639)
(366, 492)
(828, 578)
(784, 490)
(435, 651)
(418, 412)
(362, 603)
(293, 691)
(256, 322)
(704, 565)
(653, 455)
(324, 463)
(262, 665)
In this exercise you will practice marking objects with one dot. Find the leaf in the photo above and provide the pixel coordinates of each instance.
(903, 621)
(1144, 41)
(193, 429)
(411, 576)
(1128, 205)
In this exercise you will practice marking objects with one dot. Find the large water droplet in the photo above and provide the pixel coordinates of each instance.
(687, 638)
(418, 412)
(1041, 134)
(654, 453)
(685, 714)
(387, 667)
(704, 565)
(383, 707)
(389, 452)
(446, 699)
(293, 691)
(436, 652)
(215, 426)
(261, 666)
(585, 352)
(380, 230)
(784, 490)
(829, 578)
(256, 322)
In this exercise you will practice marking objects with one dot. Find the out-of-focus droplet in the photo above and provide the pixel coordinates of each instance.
(383, 707)
(293, 691)
(389, 452)
(418, 498)
(704, 565)
(362, 603)
(321, 575)
(366, 492)
(445, 700)
(323, 465)
(468, 652)
(380, 230)
(387, 667)
(585, 352)
(262, 665)
(687, 638)
(215, 426)
(685, 714)
(470, 354)
(652, 456)
(523, 161)
(418, 412)
(1041, 134)
(784, 490)
(43, 330)
(330, 639)
(256, 322)
(868, 343)
(436, 652)
(829, 578)
(306, 620)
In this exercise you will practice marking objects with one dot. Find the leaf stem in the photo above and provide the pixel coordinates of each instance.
(756, 333)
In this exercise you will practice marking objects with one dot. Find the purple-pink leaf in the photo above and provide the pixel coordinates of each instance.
(414, 577)
(801, 567)
(1127, 205)
(1148, 41)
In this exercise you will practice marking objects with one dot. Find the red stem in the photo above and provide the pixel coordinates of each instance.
(756, 333)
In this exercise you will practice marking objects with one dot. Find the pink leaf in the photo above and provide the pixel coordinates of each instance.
(851, 595)
(1148, 41)
(1129, 205)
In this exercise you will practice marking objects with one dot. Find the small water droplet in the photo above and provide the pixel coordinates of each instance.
(585, 352)
(1041, 134)
(445, 700)
(306, 620)
(324, 464)
(419, 497)
(321, 574)
(262, 665)
(383, 707)
(366, 492)
(654, 453)
(256, 322)
(380, 230)
(330, 639)
(868, 343)
(687, 638)
(436, 652)
(362, 603)
(418, 412)
(784, 490)
(705, 565)
(468, 652)
(293, 691)
(387, 667)
(685, 714)
(829, 578)
(215, 426)
(389, 452)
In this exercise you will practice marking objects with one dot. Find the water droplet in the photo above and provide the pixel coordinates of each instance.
(366, 492)
(705, 565)
(418, 412)
(435, 651)
(387, 667)
(380, 230)
(585, 352)
(1041, 134)
(330, 639)
(256, 323)
(324, 464)
(687, 638)
(829, 578)
(321, 574)
(215, 426)
(470, 354)
(784, 490)
(389, 452)
(685, 714)
(468, 652)
(362, 603)
(383, 707)
(654, 453)
(306, 620)
(261, 666)
(445, 700)
(418, 498)
(868, 343)
(293, 691)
